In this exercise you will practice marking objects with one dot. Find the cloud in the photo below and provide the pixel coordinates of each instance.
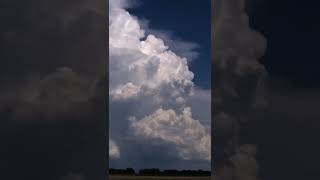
(148, 81)
(114, 151)
(223, 125)
(238, 75)
(123, 4)
(240, 88)
(246, 165)
(183, 48)
(187, 134)
(53, 88)
(52, 97)
(143, 64)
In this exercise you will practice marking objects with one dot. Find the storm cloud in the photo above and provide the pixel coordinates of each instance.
(152, 96)
(53, 89)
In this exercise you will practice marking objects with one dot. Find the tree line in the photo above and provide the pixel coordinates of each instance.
(158, 172)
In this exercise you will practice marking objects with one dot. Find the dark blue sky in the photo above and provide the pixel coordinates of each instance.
(292, 31)
(188, 20)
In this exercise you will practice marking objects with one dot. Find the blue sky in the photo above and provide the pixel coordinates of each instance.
(187, 20)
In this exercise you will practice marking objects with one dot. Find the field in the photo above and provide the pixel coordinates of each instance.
(156, 178)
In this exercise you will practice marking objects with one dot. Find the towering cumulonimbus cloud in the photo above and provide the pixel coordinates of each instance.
(150, 89)
(239, 89)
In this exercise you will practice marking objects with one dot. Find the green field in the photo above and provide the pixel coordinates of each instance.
(156, 178)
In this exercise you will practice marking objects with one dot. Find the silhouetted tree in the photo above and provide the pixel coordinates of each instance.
(157, 172)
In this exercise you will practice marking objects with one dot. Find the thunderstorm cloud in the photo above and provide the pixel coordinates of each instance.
(152, 94)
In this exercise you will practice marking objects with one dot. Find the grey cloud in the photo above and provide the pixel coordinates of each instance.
(53, 88)
(224, 125)
(200, 103)
(58, 94)
(239, 87)
(41, 42)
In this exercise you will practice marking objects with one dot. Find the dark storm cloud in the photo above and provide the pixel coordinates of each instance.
(240, 97)
(53, 89)
(288, 143)
(277, 116)
(294, 104)
(183, 48)
(288, 136)
(41, 36)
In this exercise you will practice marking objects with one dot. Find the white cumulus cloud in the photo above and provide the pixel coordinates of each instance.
(187, 134)
(151, 85)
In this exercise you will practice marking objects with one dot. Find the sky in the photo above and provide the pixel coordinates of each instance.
(292, 31)
(265, 69)
(292, 62)
(53, 90)
(239, 98)
(159, 85)
(268, 53)
(188, 34)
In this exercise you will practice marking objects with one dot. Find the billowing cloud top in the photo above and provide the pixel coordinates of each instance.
(141, 65)
(150, 88)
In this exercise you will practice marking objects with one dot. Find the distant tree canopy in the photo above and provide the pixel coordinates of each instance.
(158, 172)
(128, 171)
